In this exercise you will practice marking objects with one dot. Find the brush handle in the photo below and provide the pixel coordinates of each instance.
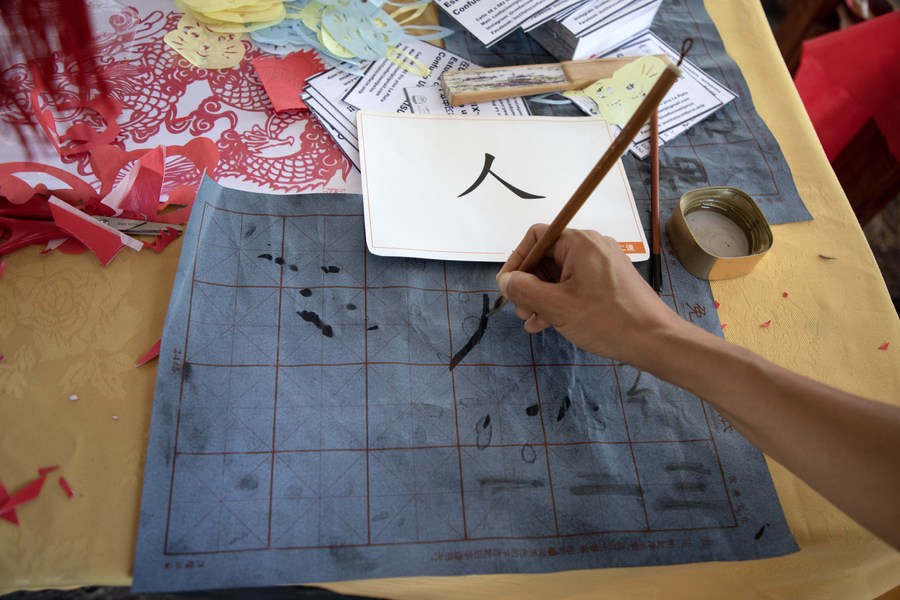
(655, 263)
(603, 166)
(494, 83)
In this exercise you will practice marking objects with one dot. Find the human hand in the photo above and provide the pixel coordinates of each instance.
(588, 290)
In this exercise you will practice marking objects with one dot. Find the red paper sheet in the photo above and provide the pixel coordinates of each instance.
(149, 355)
(285, 78)
(102, 240)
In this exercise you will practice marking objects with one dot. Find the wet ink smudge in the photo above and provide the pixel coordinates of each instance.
(311, 317)
(293, 268)
(528, 454)
(372, 328)
(483, 432)
(563, 407)
(761, 532)
(479, 332)
(306, 292)
(351, 306)
(250, 231)
(693, 467)
(532, 410)
(278, 260)
(330, 269)
(265, 256)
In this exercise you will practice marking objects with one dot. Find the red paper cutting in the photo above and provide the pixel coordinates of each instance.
(162, 241)
(66, 487)
(149, 355)
(285, 78)
(102, 240)
(44, 470)
(884, 346)
(716, 303)
(766, 324)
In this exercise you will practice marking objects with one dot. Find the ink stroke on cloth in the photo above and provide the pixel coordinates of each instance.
(306, 426)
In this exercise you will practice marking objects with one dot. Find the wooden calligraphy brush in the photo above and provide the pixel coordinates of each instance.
(655, 253)
(595, 176)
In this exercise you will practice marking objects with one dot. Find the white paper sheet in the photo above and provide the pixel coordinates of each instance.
(417, 168)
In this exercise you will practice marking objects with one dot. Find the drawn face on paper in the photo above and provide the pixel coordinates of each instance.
(205, 48)
(617, 97)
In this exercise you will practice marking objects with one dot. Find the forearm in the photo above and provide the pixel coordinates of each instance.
(844, 446)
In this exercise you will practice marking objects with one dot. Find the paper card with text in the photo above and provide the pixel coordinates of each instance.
(468, 188)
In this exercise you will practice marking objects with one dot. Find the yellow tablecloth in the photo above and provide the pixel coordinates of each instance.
(69, 326)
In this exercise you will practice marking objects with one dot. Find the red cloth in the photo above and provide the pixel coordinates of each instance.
(850, 76)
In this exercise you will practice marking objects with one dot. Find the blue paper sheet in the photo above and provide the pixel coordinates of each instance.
(306, 426)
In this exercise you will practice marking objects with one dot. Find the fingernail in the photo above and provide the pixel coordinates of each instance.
(503, 282)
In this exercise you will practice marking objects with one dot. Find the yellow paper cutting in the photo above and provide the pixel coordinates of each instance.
(617, 97)
(235, 16)
(205, 48)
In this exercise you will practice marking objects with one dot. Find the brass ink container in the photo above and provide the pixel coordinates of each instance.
(718, 233)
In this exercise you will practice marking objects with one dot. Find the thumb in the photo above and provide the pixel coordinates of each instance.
(527, 291)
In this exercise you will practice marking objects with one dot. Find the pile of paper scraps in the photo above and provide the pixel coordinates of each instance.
(343, 33)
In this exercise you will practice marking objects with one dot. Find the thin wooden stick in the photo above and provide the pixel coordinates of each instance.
(655, 251)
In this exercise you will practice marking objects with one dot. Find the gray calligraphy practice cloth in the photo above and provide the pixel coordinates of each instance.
(307, 426)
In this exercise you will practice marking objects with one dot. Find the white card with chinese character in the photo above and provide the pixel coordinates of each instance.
(468, 188)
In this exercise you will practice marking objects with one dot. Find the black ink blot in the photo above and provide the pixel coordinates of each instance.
(563, 407)
(330, 269)
(311, 317)
(761, 532)
(486, 422)
(372, 328)
(532, 410)
(293, 268)
(306, 292)
(351, 306)
(279, 261)
(327, 331)
(250, 231)
(265, 256)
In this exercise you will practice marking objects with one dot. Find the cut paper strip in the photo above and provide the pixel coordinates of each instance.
(766, 324)
(205, 48)
(716, 303)
(884, 346)
(104, 241)
(149, 355)
(285, 78)
(140, 189)
(66, 487)
(45, 470)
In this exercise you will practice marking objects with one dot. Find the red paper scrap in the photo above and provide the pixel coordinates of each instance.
(66, 487)
(3, 266)
(11, 515)
(285, 78)
(101, 239)
(766, 324)
(27, 493)
(724, 325)
(716, 303)
(2, 358)
(784, 294)
(162, 241)
(884, 346)
(149, 355)
(44, 470)
(140, 189)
